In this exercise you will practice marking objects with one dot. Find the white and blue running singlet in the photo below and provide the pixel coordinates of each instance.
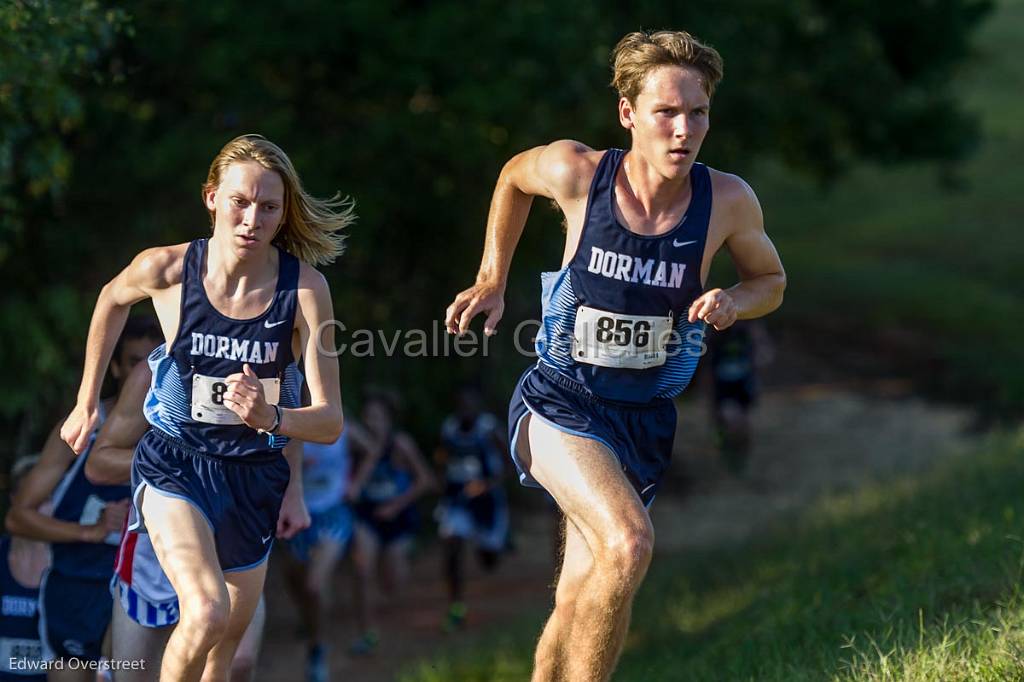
(185, 400)
(615, 318)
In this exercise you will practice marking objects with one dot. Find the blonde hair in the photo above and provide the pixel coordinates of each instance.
(639, 53)
(310, 229)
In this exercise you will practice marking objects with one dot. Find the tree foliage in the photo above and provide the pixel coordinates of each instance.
(51, 56)
(411, 107)
(48, 49)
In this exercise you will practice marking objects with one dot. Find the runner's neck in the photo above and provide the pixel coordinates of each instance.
(653, 193)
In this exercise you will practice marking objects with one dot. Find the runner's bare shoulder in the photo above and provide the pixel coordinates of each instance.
(733, 194)
(311, 279)
(568, 167)
(158, 268)
(314, 298)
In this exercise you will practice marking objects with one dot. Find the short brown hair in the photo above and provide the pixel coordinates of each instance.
(311, 229)
(639, 53)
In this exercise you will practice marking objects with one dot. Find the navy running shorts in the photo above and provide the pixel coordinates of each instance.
(639, 435)
(74, 614)
(239, 496)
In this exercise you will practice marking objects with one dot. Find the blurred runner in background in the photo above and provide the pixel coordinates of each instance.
(83, 531)
(22, 564)
(313, 554)
(390, 475)
(473, 507)
(735, 356)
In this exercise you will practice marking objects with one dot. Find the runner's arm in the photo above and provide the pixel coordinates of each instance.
(110, 462)
(150, 270)
(323, 419)
(556, 171)
(423, 479)
(762, 277)
(24, 518)
(365, 462)
(294, 515)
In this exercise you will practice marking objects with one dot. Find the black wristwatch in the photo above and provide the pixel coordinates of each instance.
(277, 422)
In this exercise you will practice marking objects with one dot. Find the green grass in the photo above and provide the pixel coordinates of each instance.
(907, 580)
(895, 248)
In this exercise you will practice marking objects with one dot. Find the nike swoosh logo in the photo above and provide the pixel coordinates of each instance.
(267, 539)
(675, 243)
(270, 325)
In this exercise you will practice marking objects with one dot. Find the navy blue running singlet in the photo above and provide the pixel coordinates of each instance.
(615, 318)
(77, 500)
(471, 452)
(186, 397)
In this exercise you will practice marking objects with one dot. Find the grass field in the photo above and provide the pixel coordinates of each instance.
(910, 580)
(915, 579)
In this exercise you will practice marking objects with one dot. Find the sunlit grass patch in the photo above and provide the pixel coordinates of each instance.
(907, 579)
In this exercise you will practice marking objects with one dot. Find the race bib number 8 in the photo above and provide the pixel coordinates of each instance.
(625, 341)
(208, 399)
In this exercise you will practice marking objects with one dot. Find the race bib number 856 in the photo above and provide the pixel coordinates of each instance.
(208, 399)
(626, 341)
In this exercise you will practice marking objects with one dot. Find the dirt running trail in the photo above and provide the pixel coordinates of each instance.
(812, 437)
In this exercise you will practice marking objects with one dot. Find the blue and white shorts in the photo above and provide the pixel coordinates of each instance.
(143, 611)
(140, 584)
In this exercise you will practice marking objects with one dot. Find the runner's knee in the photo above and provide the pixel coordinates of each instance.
(627, 550)
(205, 618)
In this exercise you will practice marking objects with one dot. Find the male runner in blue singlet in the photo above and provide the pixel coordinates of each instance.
(83, 530)
(314, 553)
(735, 355)
(390, 475)
(593, 421)
(237, 309)
(473, 507)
